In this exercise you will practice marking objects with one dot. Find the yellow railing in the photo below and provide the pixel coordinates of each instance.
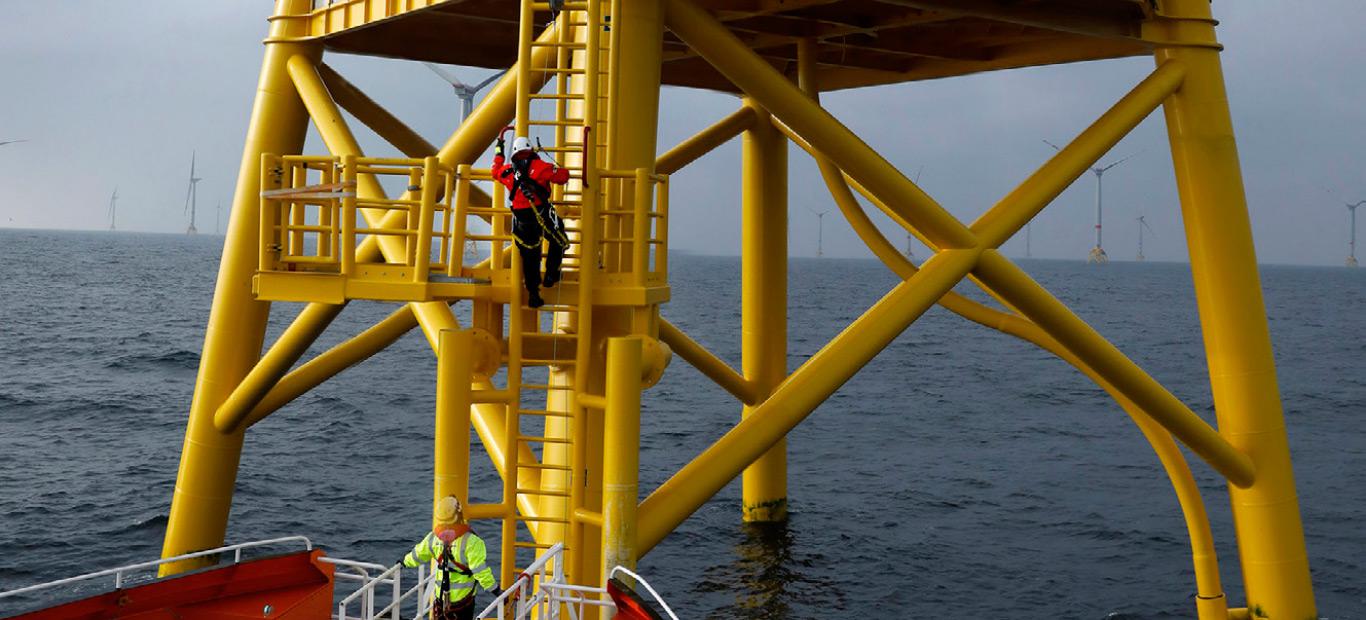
(632, 240)
(314, 220)
(634, 232)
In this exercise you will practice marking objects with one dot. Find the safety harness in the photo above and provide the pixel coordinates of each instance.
(447, 564)
(537, 195)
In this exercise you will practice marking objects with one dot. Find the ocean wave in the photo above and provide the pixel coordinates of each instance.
(172, 360)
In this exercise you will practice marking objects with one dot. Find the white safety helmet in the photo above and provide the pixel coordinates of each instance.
(520, 144)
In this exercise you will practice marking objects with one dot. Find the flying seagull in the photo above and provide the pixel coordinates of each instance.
(3, 143)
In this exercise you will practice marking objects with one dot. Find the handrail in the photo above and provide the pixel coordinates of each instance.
(641, 581)
(118, 572)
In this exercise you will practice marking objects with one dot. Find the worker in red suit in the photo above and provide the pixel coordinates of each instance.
(528, 179)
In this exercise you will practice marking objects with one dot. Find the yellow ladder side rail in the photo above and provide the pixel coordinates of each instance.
(590, 190)
(513, 430)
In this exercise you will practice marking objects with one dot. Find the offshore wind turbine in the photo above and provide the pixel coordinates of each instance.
(909, 254)
(1143, 224)
(113, 199)
(462, 90)
(820, 231)
(1352, 239)
(1097, 254)
(191, 198)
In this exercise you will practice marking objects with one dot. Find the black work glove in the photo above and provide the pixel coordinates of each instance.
(400, 561)
(498, 147)
(496, 591)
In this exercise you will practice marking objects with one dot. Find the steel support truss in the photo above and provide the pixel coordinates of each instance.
(238, 388)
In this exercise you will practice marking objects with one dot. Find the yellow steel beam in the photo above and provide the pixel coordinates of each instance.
(1073, 333)
(780, 97)
(331, 362)
(798, 396)
(451, 452)
(1210, 597)
(232, 343)
(373, 115)
(688, 151)
(763, 302)
(287, 349)
(621, 454)
(1020, 206)
(1228, 291)
(707, 363)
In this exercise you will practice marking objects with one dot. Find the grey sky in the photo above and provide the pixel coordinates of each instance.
(117, 92)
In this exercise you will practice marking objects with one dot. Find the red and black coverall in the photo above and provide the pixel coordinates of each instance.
(528, 180)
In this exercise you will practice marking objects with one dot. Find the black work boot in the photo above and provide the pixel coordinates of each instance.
(551, 278)
(533, 299)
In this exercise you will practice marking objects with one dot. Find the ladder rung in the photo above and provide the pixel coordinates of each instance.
(547, 387)
(570, 97)
(573, 122)
(542, 492)
(542, 466)
(541, 362)
(533, 438)
(566, 44)
(532, 545)
(488, 237)
(548, 414)
(565, 70)
(542, 519)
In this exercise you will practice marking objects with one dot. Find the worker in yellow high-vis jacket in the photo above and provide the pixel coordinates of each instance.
(462, 561)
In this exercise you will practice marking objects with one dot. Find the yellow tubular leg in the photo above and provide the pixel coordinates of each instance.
(208, 463)
(763, 303)
(1228, 290)
(797, 397)
(621, 453)
(454, 370)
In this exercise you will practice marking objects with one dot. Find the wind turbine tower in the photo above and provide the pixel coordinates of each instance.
(113, 198)
(820, 234)
(1143, 225)
(1097, 255)
(190, 197)
(910, 255)
(1352, 239)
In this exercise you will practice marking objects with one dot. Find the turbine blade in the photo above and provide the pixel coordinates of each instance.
(445, 75)
(489, 80)
(1103, 169)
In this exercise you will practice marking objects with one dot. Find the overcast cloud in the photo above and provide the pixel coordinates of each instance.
(118, 93)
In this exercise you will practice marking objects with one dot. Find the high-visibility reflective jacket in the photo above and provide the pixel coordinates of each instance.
(541, 172)
(467, 550)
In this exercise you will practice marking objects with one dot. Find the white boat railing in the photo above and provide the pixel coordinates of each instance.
(120, 572)
(541, 590)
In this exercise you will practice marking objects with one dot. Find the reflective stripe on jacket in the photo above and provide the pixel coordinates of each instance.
(468, 550)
